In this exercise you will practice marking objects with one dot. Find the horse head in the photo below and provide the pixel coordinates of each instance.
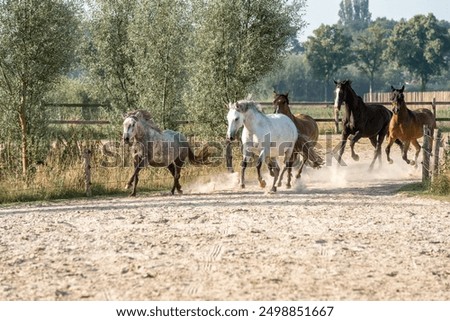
(341, 92)
(235, 118)
(129, 128)
(280, 102)
(397, 98)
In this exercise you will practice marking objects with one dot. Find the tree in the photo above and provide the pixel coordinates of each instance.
(137, 51)
(108, 55)
(420, 45)
(37, 45)
(160, 43)
(328, 50)
(354, 14)
(235, 43)
(369, 49)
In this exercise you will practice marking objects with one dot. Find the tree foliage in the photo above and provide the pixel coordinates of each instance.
(236, 42)
(419, 45)
(108, 51)
(369, 49)
(354, 14)
(328, 50)
(137, 51)
(38, 41)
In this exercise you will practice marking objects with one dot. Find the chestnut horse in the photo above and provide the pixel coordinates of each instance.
(407, 125)
(308, 133)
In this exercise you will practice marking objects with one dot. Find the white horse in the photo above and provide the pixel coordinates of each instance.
(158, 148)
(268, 136)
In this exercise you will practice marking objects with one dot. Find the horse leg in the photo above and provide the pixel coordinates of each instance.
(405, 152)
(353, 141)
(377, 152)
(229, 157)
(178, 165)
(417, 146)
(134, 179)
(276, 172)
(342, 146)
(244, 164)
(299, 173)
(288, 165)
(294, 159)
(280, 180)
(262, 182)
(172, 170)
(136, 165)
(388, 149)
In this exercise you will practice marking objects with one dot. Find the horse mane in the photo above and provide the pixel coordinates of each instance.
(245, 105)
(146, 117)
(140, 113)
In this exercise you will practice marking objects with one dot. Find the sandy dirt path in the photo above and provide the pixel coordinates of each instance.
(335, 236)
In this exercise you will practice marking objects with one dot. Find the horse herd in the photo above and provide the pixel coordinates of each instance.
(268, 136)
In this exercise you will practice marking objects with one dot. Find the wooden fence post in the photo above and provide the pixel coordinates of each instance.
(433, 106)
(426, 154)
(87, 171)
(436, 146)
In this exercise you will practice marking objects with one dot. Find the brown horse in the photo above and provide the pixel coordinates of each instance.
(407, 125)
(308, 133)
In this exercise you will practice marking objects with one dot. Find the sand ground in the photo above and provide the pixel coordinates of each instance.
(340, 234)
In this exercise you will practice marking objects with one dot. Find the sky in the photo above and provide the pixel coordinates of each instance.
(326, 11)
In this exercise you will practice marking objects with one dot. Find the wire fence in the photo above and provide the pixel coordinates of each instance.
(436, 155)
(63, 170)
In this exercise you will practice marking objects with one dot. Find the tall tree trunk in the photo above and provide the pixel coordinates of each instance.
(423, 84)
(23, 130)
(165, 85)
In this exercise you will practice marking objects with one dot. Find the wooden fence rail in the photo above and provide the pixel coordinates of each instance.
(267, 107)
(433, 103)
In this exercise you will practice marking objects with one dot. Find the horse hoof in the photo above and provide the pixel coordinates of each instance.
(298, 176)
(279, 184)
(390, 161)
(128, 186)
(271, 173)
(132, 195)
(288, 186)
(262, 183)
(242, 185)
(180, 191)
(355, 158)
(274, 189)
(412, 163)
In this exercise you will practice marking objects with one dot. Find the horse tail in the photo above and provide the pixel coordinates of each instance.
(201, 158)
(306, 148)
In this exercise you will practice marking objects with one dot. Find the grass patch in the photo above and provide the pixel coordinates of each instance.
(62, 177)
(436, 190)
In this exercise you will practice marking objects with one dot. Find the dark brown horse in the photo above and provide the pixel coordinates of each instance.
(308, 133)
(361, 120)
(407, 125)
